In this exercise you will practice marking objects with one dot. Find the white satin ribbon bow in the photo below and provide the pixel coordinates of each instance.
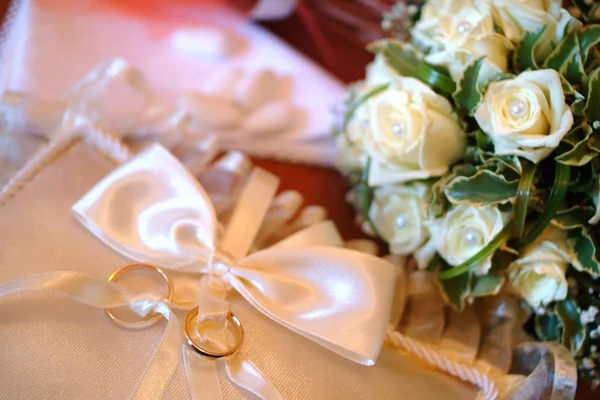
(152, 210)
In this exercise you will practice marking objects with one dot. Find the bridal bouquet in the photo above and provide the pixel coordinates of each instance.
(474, 147)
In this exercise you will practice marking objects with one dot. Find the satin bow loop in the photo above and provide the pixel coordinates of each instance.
(152, 210)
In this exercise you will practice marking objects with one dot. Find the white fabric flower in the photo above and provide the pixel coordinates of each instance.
(538, 275)
(408, 122)
(466, 230)
(399, 213)
(466, 36)
(515, 17)
(525, 116)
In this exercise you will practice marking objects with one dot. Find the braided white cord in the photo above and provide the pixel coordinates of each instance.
(489, 389)
(104, 141)
(34, 166)
(108, 143)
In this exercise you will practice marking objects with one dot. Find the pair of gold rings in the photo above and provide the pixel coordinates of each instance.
(190, 320)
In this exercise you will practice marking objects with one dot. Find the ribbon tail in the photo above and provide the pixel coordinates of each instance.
(164, 362)
(246, 376)
(201, 377)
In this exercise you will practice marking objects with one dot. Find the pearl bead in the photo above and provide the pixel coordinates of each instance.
(399, 128)
(401, 221)
(463, 27)
(518, 108)
(473, 237)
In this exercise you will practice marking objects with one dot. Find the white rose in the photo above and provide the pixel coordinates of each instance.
(425, 32)
(539, 274)
(399, 213)
(525, 116)
(408, 122)
(466, 230)
(466, 36)
(515, 17)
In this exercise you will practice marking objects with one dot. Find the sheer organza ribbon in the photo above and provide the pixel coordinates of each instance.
(152, 210)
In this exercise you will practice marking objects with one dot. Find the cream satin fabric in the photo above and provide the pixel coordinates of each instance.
(88, 357)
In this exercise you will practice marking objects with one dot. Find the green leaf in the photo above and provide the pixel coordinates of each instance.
(565, 50)
(579, 155)
(562, 177)
(571, 55)
(435, 78)
(592, 105)
(439, 203)
(480, 256)
(377, 46)
(360, 101)
(578, 106)
(524, 58)
(583, 179)
(583, 255)
(523, 192)
(570, 93)
(594, 143)
(589, 36)
(574, 217)
(467, 95)
(490, 284)
(547, 327)
(456, 290)
(483, 141)
(400, 57)
(512, 162)
(573, 69)
(483, 188)
(577, 134)
(404, 59)
(573, 332)
(487, 285)
(479, 156)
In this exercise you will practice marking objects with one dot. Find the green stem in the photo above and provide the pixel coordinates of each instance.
(523, 193)
(367, 198)
(481, 255)
(562, 177)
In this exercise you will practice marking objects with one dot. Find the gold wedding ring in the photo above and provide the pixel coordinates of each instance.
(190, 324)
(152, 317)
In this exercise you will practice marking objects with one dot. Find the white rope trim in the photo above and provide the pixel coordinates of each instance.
(108, 143)
(486, 384)
(105, 141)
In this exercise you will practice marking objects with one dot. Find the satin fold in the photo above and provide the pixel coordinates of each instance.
(152, 210)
